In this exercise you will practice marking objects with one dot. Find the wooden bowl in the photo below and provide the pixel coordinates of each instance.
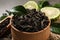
(6, 28)
(40, 35)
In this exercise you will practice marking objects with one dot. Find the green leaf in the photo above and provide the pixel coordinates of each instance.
(42, 4)
(18, 10)
(55, 28)
(2, 17)
(57, 5)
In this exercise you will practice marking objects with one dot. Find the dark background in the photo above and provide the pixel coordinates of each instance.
(8, 4)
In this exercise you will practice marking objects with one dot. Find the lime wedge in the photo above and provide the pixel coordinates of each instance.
(31, 5)
(51, 12)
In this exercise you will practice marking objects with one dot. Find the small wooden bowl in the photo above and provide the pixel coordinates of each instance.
(8, 27)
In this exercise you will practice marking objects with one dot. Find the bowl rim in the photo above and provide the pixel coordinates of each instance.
(30, 32)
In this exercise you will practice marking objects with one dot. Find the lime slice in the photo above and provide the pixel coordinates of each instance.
(51, 12)
(31, 5)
